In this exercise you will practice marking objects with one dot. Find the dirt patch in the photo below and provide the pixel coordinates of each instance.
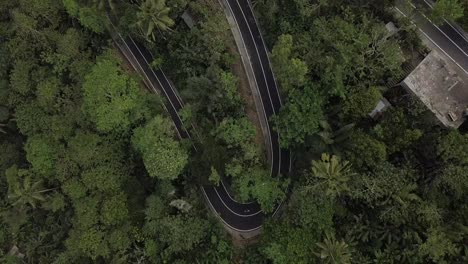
(244, 88)
(240, 246)
(250, 110)
(246, 93)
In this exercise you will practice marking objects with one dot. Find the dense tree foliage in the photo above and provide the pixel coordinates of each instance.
(200, 59)
(401, 196)
(463, 20)
(447, 9)
(163, 156)
(84, 146)
(153, 15)
(111, 98)
(92, 169)
(361, 102)
(290, 71)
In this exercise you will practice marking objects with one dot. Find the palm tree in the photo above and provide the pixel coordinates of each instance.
(28, 192)
(332, 174)
(153, 15)
(330, 140)
(333, 251)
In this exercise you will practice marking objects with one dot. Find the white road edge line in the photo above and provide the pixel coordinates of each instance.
(264, 76)
(162, 88)
(249, 215)
(456, 30)
(143, 73)
(276, 86)
(149, 81)
(449, 23)
(272, 73)
(173, 89)
(219, 216)
(232, 198)
(264, 46)
(146, 61)
(155, 90)
(255, 78)
(430, 21)
(427, 36)
(179, 99)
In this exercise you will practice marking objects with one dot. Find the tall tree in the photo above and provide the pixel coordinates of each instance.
(88, 13)
(153, 15)
(396, 130)
(447, 9)
(333, 251)
(349, 50)
(453, 147)
(331, 174)
(332, 140)
(365, 151)
(42, 153)
(236, 132)
(24, 189)
(256, 183)
(360, 102)
(291, 72)
(164, 157)
(300, 116)
(111, 97)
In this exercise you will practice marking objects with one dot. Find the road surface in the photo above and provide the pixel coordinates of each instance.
(445, 37)
(241, 217)
(252, 39)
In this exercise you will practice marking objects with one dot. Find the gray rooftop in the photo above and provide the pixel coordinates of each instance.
(438, 85)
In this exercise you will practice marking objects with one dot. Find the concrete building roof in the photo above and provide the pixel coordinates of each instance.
(438, 85)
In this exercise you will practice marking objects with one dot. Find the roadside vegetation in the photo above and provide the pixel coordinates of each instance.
(92, 170)
(365, 191)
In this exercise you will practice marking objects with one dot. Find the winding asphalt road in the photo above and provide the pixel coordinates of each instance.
(245, 217)
(445, 37)
(241, 217)
(251, 214)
